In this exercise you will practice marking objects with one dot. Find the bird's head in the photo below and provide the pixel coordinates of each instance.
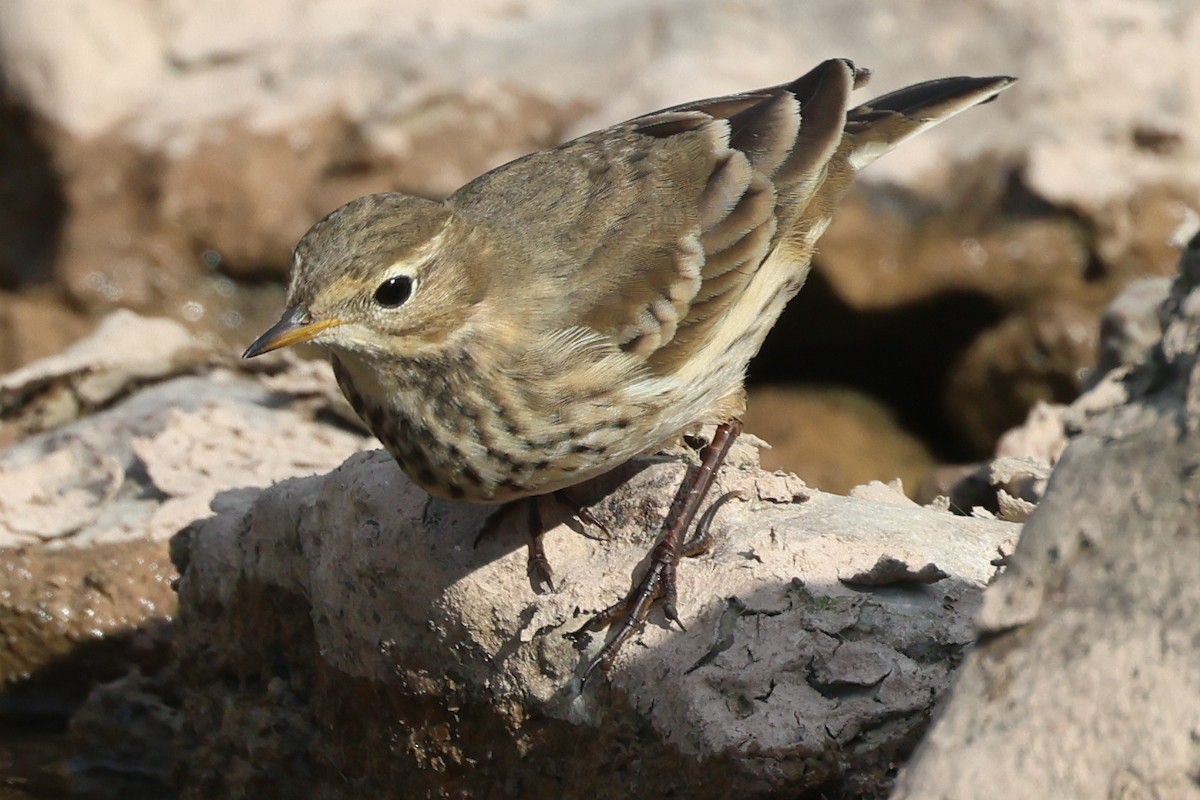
(380, 276)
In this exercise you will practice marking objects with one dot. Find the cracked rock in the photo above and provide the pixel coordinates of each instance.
(372, 602)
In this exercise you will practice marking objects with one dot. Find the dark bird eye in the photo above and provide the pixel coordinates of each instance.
(394, 291)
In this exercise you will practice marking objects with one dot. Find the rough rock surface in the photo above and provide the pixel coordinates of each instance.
(70, 618)
(344, 631)
(174, 150)
(1040, 356)
(1013, 482)
(125, 351)
(821, 630)
(1130, 325)
(129, 436)
(1087, 679)
(35, 325)
(150, 464)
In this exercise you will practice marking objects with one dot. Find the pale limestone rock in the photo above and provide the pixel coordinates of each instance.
(1086, 683)
(817, 623)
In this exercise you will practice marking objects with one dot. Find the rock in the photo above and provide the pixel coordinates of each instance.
(87, 504)
(1136, 232)
(124, 739)
(35, 325)
(72, 618)
(1014, 481)
(1130, 325)
(834, 439)
(1043, 357)
(1040, 437)
(178, 69)
(120, 248)
(154, 462)
(1007, 488)
(886, 249)
(880, 492)
(112, 251)
(57, 496)
(246, 197)
(120, 124)
(125, 351)
(367, 607)
(1085, 680)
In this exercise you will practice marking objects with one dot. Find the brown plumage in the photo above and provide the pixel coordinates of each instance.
(574, 308)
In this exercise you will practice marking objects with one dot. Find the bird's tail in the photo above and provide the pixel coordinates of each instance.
(877, 126)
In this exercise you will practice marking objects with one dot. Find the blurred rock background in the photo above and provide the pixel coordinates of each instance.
(164, 156)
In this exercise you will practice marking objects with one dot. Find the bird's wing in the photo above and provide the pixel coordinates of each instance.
(648, 232)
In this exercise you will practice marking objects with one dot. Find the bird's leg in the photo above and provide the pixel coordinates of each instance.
(539, 565)
(659, 581)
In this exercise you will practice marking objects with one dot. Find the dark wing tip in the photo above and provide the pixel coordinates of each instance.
(930, 98)
(1001, 82)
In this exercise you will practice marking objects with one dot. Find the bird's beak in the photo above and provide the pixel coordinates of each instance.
(296, 326)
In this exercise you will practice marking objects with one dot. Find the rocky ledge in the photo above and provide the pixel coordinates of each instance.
(347, 622)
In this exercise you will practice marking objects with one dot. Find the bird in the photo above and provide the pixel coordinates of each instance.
(580, 306)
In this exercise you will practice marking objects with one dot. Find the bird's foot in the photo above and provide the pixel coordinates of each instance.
(657, 585)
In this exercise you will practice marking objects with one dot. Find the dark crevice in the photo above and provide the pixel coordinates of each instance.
(32, 203)
(901, 356)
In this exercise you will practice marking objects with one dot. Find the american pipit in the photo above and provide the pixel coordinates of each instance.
(582, 305)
